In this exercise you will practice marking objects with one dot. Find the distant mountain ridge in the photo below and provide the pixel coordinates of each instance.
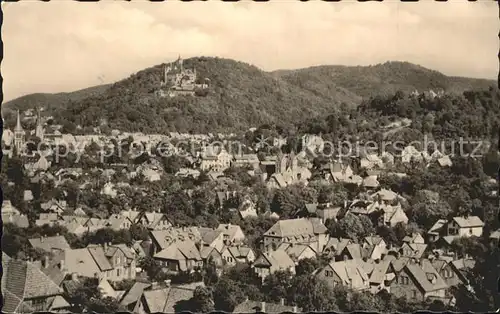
(240, 95)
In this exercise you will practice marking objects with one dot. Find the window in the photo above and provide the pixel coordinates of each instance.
(328, 273)
(118, 260)
(414, 294)
(470, 230)
(118, 272)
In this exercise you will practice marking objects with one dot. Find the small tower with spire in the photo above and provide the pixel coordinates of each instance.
(19, 134)
(39, 131)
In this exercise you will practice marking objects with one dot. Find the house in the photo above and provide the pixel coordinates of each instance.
(154, 220)
(246, 160)
(211, 238)
(48, 219)
(161, 239)
(249, 306)
(180, 255)
(349, 273)
(231, 233)
(456, 227)
(107, 290)
(335, 246)
(50, 244)
(415, 250)
(170, 299)
(371, 161)
(237, 254)
(287, 172)
(370, 182)
(111, 262)
(298, 251)
(361, 251)
(465, 226)
(118, 222)
(21, 221)
(449, 273)
(459, 267)
(54, 206)
(380, 276)
(301, 230)
(324, 211)
(340, 172)
(270, 262)
(437, 230)
(377, 245)
(247, 209)
(26, 289)
(133, 295)
(392, 215)
(94, 224)
(215, 159)
(415, 237)
(419, 280)
(386, 196)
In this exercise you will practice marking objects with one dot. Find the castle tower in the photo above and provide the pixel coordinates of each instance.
(39, 131)
(19, 135)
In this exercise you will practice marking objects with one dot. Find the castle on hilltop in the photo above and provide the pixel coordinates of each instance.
(178, 80)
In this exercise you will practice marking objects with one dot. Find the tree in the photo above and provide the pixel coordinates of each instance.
(227, 294)
(276, 285)
(306, 266)
(202, 300)
(311, 294)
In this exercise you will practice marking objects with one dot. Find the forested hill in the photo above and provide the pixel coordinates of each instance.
(241, 96)
(380, 79)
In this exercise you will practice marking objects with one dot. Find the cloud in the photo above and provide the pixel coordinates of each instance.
(63, 46)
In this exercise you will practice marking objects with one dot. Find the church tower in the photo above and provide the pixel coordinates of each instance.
(39, 131)
(19, 135)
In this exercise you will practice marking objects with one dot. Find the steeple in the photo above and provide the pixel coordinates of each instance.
(18, 128)
(39, 127)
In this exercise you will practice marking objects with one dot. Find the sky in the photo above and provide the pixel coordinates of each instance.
(62, 46)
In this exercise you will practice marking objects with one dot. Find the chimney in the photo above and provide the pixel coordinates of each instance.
(41, 239)
(282, 301)
(57, 234)
(46, 265)
(62, 266)
(74, 276)
(263, 307)
(168, 282)
(105, 246)
(295, 310)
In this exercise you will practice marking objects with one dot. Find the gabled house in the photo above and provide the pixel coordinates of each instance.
(298, 251)
(131, 297)
(26, 289)
(456, 227)
(414, 250)
(350, 274)
(324, 211)
(21, 221)
(380, 277)
(161, 239)
(237, 254)
(154, 220)
(48, 219)
(111, 262)
(419, 280)
(415, 237)
(118, 222)
(170, 299)
(335, 246)
(50, 244)
(121, 258)
(54, 206)
(272, 261)
(301, 230)
(180, 255)
(231, 233)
